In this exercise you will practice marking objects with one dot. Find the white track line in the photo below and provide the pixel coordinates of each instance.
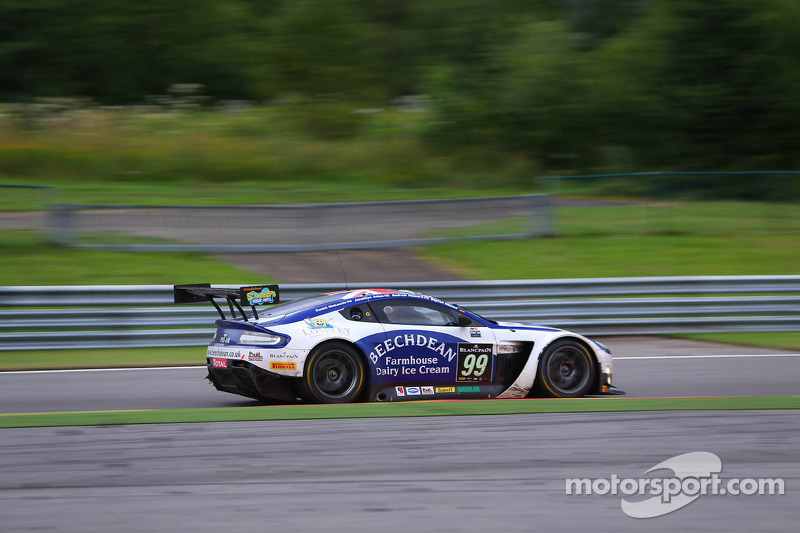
(64, 371)
(728, 356)
(633, 358)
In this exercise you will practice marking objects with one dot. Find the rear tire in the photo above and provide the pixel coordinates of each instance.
(334, 373)
(566, 370)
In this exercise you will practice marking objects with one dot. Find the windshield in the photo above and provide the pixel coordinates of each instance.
(489, 320)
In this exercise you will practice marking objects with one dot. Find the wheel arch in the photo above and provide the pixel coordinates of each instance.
(595, 362)
(568, 337)
(364, 360)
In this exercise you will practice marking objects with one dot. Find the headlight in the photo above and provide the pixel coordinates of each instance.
(260, 339)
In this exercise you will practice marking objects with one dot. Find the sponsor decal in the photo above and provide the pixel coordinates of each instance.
(411, 339)
(474, 332)
(412, 356)
(219, 363)
(443, 390)
(218, 352)
(401, 391)
(412, 391)
(427, 390)
(318, 323)
(328, 329)
(474, 362)
(255, 357)
(225, 339)
(282, 356)
(260, 296)
(468, 389)
(347, 295)
(509, 347)
(278, 365)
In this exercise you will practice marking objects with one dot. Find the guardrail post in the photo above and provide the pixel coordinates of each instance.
(541, 219)
(59, 224)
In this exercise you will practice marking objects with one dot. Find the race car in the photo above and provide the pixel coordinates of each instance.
(388, 345)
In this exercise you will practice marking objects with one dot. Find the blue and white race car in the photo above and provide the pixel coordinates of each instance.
(388, 345)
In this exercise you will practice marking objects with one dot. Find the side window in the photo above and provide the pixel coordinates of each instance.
(414, 313)
(359, 313)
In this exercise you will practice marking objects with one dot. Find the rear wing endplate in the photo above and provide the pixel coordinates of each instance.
(251, 295)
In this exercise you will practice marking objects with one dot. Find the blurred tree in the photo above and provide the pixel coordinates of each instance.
(464, 74)
(668, 83)
(117, 51)
(600, 19)
(20, 49)
(543, 99)
(705, 85)
(316, 47)
(528, 96)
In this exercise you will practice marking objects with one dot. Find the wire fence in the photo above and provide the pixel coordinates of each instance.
(299, 228)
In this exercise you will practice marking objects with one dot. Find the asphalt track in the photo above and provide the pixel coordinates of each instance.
(449, 474)
(644, 367)
(489, 473)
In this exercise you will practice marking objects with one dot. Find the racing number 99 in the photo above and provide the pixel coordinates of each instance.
(474, 362)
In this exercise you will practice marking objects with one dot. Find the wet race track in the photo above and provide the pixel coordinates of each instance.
(484, 473)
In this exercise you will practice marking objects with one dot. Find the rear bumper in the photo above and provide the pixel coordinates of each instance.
(246, 379)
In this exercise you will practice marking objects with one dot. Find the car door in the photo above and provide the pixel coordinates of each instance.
(427, 342)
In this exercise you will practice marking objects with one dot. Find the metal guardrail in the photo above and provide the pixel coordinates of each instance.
(83, 317)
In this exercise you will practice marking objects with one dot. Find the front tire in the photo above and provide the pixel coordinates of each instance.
(334, 373)
(566, 370)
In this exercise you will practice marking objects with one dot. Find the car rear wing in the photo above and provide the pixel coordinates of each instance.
(252, 295)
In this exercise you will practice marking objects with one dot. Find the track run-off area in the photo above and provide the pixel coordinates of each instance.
(419, 471)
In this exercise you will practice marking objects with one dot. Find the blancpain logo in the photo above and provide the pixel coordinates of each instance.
(411, 339)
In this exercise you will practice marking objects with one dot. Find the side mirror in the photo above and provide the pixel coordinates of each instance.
(464, 321)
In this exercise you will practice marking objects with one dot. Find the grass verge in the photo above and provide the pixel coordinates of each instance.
(621, 256)
(102, 358)
(390, 410)
(779, 340)
(29, 260)
(648, 239)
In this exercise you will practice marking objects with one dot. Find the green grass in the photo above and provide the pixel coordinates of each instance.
(250, 192)
(401, 409)
(727, 218)
(621, 256)
(29, 260)
(692, 239)
(102, 358)
(276, 154)
(779, 340)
